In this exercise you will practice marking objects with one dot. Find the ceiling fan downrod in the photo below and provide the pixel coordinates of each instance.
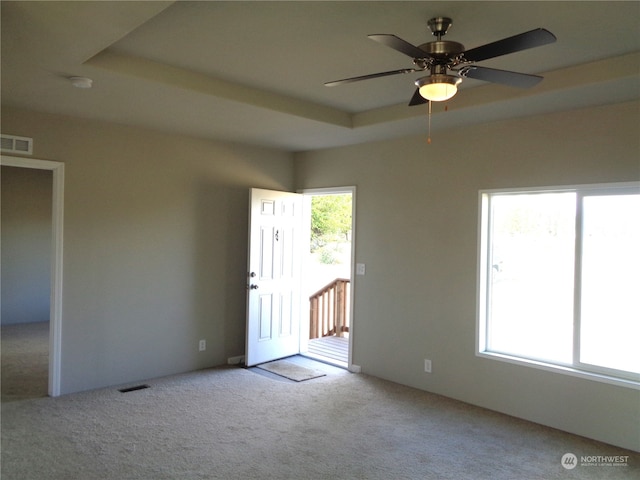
(440, 51)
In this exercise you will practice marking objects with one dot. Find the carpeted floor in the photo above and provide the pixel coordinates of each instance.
(24, 356)
(234, 423)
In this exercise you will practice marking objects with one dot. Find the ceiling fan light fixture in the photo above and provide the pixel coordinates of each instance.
(438, 87)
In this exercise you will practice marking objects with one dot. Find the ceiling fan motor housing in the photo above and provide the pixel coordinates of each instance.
(442, 51)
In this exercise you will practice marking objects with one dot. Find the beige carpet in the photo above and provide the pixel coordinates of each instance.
(233, 423)
(24, 360)
(292, 371)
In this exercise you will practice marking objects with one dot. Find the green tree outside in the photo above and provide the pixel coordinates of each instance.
(330, 224)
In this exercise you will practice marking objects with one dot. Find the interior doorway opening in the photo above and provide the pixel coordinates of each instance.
(55, 306)
(327, 329)
(26, 259)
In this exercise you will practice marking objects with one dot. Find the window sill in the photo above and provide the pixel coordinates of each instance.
(573, 372)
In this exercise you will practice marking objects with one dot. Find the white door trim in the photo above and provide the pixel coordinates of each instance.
(55, 313)
(352, 191)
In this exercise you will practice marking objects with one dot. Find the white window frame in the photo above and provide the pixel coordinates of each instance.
(577, 369)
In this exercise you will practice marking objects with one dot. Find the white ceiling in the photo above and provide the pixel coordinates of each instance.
(253, 72)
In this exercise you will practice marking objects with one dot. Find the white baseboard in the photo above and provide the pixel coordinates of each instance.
(235, 360)
(355, 368)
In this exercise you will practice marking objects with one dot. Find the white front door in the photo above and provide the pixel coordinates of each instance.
(273, 276)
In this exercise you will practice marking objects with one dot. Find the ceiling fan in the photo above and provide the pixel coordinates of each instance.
(448, 63)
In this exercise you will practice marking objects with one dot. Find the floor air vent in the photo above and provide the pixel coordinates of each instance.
(133, 389)
(13, 144)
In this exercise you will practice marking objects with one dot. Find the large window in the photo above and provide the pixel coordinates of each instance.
(559, 279)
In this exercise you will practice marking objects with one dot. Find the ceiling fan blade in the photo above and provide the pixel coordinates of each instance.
(399, 44)
(367, 77)
(504, 77)
(523, 41)
(417, 99)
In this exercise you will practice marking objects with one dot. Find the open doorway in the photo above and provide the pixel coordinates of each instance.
(52, 173)
(26, 261)
(327, 329)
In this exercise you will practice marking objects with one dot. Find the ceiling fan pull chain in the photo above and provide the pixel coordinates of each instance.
(429, 122)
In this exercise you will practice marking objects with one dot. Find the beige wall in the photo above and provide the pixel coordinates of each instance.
(155, 251)
(26, 244)
(417, 221)
(155, 241)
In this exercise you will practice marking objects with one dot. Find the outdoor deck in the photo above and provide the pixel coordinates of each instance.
(331, 349)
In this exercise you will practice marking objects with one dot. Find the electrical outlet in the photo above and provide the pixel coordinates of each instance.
(360, 268)
(202, 345)
(427, 365)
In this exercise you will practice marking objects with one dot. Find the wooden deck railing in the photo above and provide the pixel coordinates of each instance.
(329, 309)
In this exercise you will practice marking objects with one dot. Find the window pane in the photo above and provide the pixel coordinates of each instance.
(610, 301)
(530, 304)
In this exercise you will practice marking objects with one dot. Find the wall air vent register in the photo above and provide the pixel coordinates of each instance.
(13, 144)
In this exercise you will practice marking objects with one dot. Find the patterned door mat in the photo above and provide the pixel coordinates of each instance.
(291, 371)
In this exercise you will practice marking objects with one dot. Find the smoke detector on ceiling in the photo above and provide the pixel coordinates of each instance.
(81, 82)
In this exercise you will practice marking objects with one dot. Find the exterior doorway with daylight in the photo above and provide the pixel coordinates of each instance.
(327, 275)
